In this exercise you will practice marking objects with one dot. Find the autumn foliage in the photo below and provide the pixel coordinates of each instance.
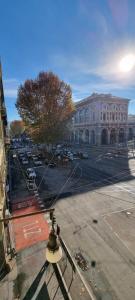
(45, 105)
(16, 128)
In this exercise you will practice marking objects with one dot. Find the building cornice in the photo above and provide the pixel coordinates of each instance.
(100, 97)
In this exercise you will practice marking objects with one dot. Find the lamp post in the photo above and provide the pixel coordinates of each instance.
(53, 249)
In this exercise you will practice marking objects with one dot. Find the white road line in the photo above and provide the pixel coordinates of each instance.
(118, 237)
(24, 230)
(32, 232)
(117, 211)
(36, 221)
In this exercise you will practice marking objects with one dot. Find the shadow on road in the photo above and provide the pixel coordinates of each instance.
(43, 294)
(30, 293)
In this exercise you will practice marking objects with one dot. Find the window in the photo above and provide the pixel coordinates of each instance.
(76, 118)
(104, 116)
(86, 115)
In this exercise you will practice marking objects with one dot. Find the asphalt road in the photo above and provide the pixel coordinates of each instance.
(111, 241)
(102, 189)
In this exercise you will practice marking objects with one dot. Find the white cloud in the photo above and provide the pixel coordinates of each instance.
(11, 87)
(106, 70)
(10, 93)
(81, 91)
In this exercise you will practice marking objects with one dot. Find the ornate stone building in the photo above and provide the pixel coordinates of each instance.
(131, 127)
(101, 119)
(3, 169)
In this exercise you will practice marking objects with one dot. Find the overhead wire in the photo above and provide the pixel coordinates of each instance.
(90, 184)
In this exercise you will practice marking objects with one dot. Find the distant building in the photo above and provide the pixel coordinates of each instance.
(101, 119)
(131, 127)
(3, 166)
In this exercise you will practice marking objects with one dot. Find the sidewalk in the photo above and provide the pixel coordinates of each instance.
(31, 277)
(76, 284)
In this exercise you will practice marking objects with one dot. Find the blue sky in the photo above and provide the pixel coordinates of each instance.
(82, 41)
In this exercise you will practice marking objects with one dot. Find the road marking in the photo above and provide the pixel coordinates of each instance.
(118, 237)
(32, 232)
(117, 211)
(36, 221)
(24, 230)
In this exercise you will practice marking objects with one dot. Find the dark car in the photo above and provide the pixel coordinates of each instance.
(52, 165)
(46, 161)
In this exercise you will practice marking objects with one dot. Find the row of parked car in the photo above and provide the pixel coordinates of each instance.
(69, 154)
(25, 157)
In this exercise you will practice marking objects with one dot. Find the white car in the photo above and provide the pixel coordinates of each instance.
(31, 171)
(25, 162)
(29, 154)
(34, 158)
(38, 163)
(32, 175)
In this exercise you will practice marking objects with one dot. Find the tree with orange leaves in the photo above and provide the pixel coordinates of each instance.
(45, 105)
(16, 128)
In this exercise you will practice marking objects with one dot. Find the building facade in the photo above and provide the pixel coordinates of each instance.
(101, 119)
(131, 127)
(3, 168)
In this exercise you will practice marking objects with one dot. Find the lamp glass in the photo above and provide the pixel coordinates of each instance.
(53, 257)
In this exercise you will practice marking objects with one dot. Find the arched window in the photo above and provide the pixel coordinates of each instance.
(104, 117)
(93, 137)
(80, 136)
(86, 115)
(113, 136)
(76, 136)
(130, 134)
(87, 136)
(121, 135)
(104, 137)
(72, 137)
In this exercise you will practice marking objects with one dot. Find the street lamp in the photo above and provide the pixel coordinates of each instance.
(53, 249)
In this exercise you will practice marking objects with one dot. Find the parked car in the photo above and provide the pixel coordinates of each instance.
(35, 158)
(52, 165)
(38, 163)
(25, 162)
(85, 156)
(22, 158)
(32, 175)
(21, 155)
(30, 170)
(46, 161)
(29, 154)
(70, 156)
